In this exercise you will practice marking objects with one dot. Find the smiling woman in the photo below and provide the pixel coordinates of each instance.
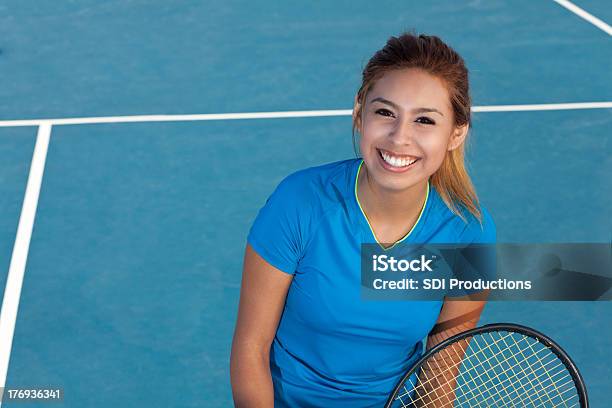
(304, 336)
(422, 95)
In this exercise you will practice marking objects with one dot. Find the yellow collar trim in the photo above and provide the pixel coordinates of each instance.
(368, 221)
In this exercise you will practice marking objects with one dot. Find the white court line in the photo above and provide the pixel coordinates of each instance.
(14, 281)
(585, 15)
(543, 107)
(279, 115)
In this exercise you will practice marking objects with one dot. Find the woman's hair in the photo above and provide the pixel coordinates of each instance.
(432, 55)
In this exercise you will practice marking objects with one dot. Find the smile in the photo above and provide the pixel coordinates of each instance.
(398, 162)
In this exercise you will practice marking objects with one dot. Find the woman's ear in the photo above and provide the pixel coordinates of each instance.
(458, 136)
(357, 114)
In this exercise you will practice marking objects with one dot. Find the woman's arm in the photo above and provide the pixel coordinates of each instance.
(262, 299)
(436, 384)
(457, 315)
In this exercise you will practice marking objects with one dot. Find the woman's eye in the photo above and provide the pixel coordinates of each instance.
(384, 112)
(426, 120)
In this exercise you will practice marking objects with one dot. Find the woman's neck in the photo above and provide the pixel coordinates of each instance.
(390, 206)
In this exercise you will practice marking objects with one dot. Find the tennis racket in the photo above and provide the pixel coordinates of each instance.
(497, 365)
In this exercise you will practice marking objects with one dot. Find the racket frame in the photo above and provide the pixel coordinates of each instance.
(509, 327)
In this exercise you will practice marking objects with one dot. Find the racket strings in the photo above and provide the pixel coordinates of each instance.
(500, 380)
(441, 399)
(456, 362)
(473, 368)
(515, 375)
(489, 379)
(554, 391)
(525, 372)
(505, 369)
(449, 369)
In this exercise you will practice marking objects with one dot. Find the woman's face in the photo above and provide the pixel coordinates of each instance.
(407, 128)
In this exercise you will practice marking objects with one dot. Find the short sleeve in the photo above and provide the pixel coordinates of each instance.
(279, 231)
(483, 232)
(477, 260)
(488, 233)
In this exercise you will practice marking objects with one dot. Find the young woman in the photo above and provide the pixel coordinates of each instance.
(304, 337)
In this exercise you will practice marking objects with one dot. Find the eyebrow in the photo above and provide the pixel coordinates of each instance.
(416, 110)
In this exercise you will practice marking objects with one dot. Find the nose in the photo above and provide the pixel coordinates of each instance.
(402, 132)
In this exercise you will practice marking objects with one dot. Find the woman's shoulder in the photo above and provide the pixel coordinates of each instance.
(483, 230)
(323, 171)
(315, 180)
(466, 227)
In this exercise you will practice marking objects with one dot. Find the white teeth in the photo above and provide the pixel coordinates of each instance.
(396, 161)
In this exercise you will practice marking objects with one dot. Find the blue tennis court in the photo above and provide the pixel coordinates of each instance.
(138, 223)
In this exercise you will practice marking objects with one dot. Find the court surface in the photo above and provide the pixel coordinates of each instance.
(130, 290)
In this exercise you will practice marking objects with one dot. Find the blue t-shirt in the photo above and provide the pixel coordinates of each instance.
(333, 349)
